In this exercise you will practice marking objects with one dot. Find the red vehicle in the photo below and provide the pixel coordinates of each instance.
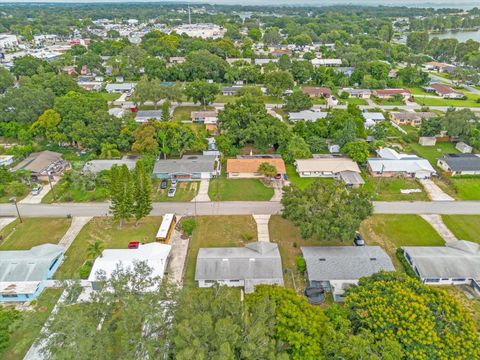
(133, 244)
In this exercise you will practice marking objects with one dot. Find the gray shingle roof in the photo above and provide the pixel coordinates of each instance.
(187, 165)
(460, 259)
(95, 166)
(325, 263)
(38, 161)
(462, 162)
(258, 260)
(28, 265)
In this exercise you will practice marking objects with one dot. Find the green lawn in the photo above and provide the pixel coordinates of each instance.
(388, 102)
(319, 101)
(223, 189)
(64, 193)
(225, 99)
(111, 235)
(33, 232)
(356, 101)
(302, 183)
(419, 91)
(287, 236)
(218, 231)
(466, 189)
(186, 191)
(184, 112)
(272, 100)
(470, 101)
(464, 227)
(388, 189)
(432, 153)
(28, 327)
(110, 96)
(21, 192)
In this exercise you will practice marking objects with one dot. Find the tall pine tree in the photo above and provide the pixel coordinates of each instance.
(143, 191)
(121, 193)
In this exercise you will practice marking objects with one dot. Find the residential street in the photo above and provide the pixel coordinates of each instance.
(234, 208)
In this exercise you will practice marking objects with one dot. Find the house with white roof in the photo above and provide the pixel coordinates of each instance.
(372, 118)
(335, 268)
(306, 115)
(155, 255)
(23, 272)
(121, 88)
(390, 163)
(256, 263)
(455, 263)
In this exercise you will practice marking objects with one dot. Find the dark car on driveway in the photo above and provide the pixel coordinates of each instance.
(358, 240)
(163, 184)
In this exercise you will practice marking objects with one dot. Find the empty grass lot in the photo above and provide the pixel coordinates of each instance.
(223, 189)
(394, 231)
(466, 188)
(432, 153)
(186, 191)
(287, 236)
(218, 231)
(464, 227)
(356, 101)
(184, 112)
(33, 232)
(65, 194)
(111, 235)
(28, 328)
(388, 189)
(470, 101)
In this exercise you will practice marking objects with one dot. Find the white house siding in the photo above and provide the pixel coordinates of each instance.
(244, 175)
(318, 174)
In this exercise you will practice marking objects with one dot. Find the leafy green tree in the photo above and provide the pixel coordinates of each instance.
(6, 80)
(166, 111)
(458, 122)
(203, 65)
(296, 148)
(298, 101)
(326, 211)
(427, 322)
(121, 193)
(8, 318)
(267, 170)
(302, 71)
(411, 76)
(347, 134)
(255, 34)
(357, 150)
(278, 82)
(272, 36)
(430, 127)
(418, 41)
(143, 191)
(95, 249)
(143, 91)
(46, 126)
(201, 92)
(145, 139)
(29, 66)
(109, 151)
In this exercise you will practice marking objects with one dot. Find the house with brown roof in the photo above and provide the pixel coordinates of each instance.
(246, 168)
(444, 91)
(439, 66)
(390, 93)
(42, 164)
(411, 118)
(322, 91)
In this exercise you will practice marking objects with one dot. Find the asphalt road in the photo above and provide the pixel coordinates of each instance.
(235, 208)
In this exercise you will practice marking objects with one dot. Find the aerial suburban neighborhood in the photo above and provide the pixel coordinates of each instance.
(212, 181)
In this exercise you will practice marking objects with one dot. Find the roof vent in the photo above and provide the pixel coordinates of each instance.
(373, 259)
(322, 259)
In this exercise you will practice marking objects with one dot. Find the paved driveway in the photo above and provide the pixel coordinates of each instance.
(202, 191)
(37, 199)
(434, 192)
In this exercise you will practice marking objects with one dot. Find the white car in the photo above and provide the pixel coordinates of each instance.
(173, 183)
(171, 192)
(36, 190)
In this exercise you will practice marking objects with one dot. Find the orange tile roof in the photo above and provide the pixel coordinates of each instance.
(251, 165)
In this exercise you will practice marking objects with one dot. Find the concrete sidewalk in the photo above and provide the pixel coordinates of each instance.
(78, 222)
(202, 191)
(438, 224)
(262, 227)
(435, 193)
(6, 221)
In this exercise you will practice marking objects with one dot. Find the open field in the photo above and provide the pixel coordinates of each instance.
(388, 189)
(287, 236)
(33, 232)
(28, 327)
(470, 101)
(432, 153)
(65, 194)
(394, 231)
(464, 227)
(466, 188)
(111, 235)
(223, 189)
(186, 191)
(356, 101)
(218, 231)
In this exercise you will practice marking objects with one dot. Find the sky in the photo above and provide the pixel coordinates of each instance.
(415, 3)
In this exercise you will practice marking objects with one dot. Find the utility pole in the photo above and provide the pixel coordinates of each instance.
(14, 200)
(189, 16)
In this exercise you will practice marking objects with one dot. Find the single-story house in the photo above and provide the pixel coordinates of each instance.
(463, 148)
(390, 93)
(439, 66)
(117, 112)
(90, 85)
(176, 60)
(256, 263)
(204, 117)
(188, 168)
(427, 140)
(336, 167)
(41, 164)
(358, 93)
(390, 164)
(372, 118)
(96, 166)
(335, 268)
(6, 160)
(23, 272)
(460, 164)
(326, 62)
(445, 91)
(277, 53)
(322, 91)
(307, 115)
(121, 88)
(248, 168)
(453, 264)
(155, 255)
(411, 118)
(230, 90)
(145, 115)
(265, 61)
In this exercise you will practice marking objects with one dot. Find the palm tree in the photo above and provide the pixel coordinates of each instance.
(95, 249)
